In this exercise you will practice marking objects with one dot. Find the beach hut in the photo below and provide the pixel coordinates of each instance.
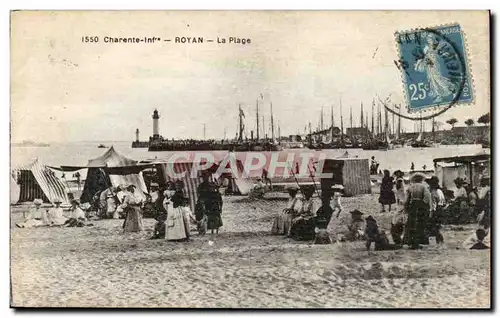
(110, 169)
(38, 181)
(351, 173)
(468, 167)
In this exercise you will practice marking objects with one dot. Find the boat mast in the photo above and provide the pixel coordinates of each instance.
(272, 122)
(350, 120)
(341, 122)
(332, 122)
(264, 134)
(241, 123)
(373, 121)
(204, 132)
(321, 119)
(399, 121)
(257, 119)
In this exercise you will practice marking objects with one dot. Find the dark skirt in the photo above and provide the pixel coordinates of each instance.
(214, 221)
(387, 197)
(303, 229)
(415, 231)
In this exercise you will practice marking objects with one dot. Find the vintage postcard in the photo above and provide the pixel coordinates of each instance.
(250, 159)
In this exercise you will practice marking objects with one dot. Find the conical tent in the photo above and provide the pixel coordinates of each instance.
(38, 181)
(99, 178)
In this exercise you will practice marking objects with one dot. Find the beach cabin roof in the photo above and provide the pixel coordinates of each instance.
(465, 159)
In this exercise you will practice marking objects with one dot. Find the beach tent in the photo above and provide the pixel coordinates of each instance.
(110, 169)
(468, 167)
(181, 170)
(38, 181)
(238, 183)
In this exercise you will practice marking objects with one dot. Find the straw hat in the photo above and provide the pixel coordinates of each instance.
(38, 201)
(57, 200)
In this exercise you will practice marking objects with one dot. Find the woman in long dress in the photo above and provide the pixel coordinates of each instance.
(132, 207)
(177, 225)
(36, 216)
(283, 221)
(303, 224)
(387, 196)
(418, 205)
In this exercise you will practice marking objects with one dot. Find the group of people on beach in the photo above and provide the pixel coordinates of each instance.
(37, 217)
(421, 209)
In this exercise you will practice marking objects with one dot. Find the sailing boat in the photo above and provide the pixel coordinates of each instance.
(420, 142)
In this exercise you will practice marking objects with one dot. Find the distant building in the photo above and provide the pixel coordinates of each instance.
(473, 130)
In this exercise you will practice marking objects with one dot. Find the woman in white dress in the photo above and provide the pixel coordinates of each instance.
(36, 216)
(283, 221)
(56, 216)
(177, 225)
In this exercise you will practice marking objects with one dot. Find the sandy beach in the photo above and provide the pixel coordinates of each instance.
(99, 266)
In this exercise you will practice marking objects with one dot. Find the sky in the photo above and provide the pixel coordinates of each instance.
(63, 90)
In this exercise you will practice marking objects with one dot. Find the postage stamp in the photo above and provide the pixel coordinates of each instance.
(434, 67)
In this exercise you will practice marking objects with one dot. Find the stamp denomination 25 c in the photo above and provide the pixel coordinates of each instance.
(433, 62)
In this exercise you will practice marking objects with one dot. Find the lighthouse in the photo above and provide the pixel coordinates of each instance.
(156, 129)
(137, 135)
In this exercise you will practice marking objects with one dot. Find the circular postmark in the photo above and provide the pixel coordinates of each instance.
(432, 52)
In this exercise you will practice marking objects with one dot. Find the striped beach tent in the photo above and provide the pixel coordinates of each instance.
(38, 181)
(172, 172)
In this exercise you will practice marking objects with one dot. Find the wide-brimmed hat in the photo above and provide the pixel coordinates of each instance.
(38, 201)
(57, 200)
(399, 173)
(459, 180)
(356, 212)
(417, 177)
(131, 186)
(433, 181)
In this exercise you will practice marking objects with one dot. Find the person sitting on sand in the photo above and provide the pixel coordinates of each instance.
(374, 235)
(283, 221)
(56, 215)
(35, 216)
(480, 239)
(76, 216)
(477, 241)
(160, 227)
(258, 190)
(356, 227)
(398, 226)
(303, 224)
